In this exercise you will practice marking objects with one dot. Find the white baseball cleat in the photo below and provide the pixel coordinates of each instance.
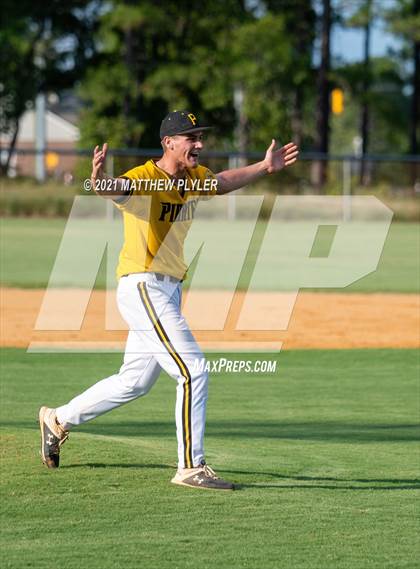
(201, 477)
(52, 437)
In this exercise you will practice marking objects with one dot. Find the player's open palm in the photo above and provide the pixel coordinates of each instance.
(278, 159)
(98, 161)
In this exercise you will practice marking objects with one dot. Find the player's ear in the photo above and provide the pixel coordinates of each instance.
(167, 143)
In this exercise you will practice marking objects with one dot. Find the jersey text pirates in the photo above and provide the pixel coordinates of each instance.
(158, 213)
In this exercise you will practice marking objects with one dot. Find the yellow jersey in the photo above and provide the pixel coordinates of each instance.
(158, 212)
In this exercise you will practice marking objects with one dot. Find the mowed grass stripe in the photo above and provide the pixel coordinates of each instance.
(324, 452)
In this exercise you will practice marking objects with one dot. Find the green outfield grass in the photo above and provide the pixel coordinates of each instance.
(323, 451)
(28, 248)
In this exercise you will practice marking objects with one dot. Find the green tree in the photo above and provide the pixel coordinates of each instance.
(300, 20)
(374, 88)
(157, 56)
(363, 17)
(404, 20)
(388, 106)
(44, 46)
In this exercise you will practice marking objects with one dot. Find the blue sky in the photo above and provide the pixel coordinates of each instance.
(348, 44)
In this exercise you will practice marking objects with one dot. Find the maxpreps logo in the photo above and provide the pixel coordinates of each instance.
(177, 212)
(224, 365)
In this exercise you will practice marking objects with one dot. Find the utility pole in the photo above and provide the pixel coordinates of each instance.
(40, 137)
(240, 142)
(323, 104)
(364, 117)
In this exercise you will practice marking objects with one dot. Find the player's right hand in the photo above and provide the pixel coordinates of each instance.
(98, 161)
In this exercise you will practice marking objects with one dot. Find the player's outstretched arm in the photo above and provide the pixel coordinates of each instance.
(274, 161)
(114, 186)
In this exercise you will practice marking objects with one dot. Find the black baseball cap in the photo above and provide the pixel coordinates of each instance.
(180, 122)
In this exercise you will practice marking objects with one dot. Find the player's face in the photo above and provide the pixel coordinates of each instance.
(187, 148)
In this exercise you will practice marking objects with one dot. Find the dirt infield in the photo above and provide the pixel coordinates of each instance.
(318, 321)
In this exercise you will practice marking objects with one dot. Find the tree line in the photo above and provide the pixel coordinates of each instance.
(255, 69)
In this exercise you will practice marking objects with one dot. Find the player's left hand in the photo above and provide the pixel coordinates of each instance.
(276, 160)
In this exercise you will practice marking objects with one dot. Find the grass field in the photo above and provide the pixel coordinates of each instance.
(28, 248)
(324, 452)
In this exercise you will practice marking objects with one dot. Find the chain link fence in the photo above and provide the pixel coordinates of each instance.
(45, 182)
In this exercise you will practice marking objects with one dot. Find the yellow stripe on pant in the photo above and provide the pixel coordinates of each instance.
(186, 404)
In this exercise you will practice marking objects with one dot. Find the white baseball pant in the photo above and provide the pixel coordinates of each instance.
(159, 338)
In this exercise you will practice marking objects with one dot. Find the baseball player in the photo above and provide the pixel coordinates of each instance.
(150, 273)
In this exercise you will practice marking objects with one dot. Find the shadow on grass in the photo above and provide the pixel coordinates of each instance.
(328, 431)
(316, 431)
(319, 482)
(316, 482)
(397, 483)
(117, 465)
(325, 487)
(328, 478)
